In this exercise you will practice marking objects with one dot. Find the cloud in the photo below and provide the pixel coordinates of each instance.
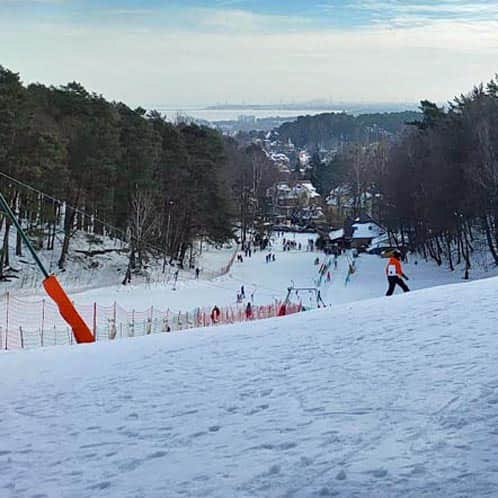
(27, 2)
(409, 13)
(244, 21)
(218, 55)
(229, 3)
(129, 12)
(452, 9)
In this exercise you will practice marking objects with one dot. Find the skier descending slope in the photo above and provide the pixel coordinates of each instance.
(394, 272)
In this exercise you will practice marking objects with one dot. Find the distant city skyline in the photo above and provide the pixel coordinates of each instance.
(207, 52)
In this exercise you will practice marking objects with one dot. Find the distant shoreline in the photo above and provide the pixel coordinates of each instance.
(336, 107)
(287, 112)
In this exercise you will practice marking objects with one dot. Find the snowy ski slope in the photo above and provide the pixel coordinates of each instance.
(387, 397)
(269, 282)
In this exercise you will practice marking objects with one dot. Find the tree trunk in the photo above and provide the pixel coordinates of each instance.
(466, 257)
(69, 218)
(5, 246)
(489, 239)
(439, 250)
(18, 244)
(450, 257)
(435, 255)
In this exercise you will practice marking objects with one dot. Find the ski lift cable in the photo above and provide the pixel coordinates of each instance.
(77, 210)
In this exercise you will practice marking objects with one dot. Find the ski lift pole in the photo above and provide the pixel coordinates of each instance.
(52, 286)
(8, 211)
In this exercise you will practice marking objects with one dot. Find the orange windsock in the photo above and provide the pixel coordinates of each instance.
(66, 308)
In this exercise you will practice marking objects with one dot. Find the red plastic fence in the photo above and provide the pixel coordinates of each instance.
(32, 324)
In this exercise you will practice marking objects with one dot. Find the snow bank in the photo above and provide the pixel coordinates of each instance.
(384, 397)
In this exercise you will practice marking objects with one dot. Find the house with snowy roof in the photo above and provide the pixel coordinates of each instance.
(340, 203)
(358, 233)
(307, 192)
(299, 201)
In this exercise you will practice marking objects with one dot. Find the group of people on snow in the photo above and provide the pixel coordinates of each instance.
(287, 245)
(270, 257)
(216, 313)
(394, 273)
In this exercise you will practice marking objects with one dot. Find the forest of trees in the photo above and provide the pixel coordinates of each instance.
(434, 186)
(439, 184)
(333, 129)
(111, 170)
(108, 169)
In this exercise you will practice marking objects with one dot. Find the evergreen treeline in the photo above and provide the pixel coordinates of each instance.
(333, 129)
(161, 185)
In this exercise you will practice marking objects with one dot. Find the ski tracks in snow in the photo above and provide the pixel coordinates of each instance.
(384, 398)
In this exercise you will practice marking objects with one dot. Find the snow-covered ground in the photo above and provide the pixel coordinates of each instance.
(269, 281)
(162, 302)
(83, 272)
(385, 397)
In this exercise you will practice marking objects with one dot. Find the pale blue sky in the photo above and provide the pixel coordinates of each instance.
(155, 52)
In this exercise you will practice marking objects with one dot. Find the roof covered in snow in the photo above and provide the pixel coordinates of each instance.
(367, 230)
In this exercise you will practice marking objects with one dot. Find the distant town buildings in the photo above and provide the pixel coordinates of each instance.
(295, 203)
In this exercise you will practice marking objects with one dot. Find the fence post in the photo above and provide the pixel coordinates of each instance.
(42, 322)
(95, 320)
(7, 321)
(166, 325)
(22, 337)
(114, 319)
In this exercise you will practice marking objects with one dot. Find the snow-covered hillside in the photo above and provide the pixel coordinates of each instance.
(98, 261)
(270, 281)
(138, 309)
(385, 397)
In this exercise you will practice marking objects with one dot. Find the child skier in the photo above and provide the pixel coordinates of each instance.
(394, 272)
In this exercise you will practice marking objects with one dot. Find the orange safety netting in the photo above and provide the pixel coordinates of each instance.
(31, 324)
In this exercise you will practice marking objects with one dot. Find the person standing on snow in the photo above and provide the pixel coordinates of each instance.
(215, 314)
(248, 312)
(395, 275)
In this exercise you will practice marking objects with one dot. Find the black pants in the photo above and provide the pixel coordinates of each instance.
(393, 281)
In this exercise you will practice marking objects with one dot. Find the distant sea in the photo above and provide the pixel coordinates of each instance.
(234, 114)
